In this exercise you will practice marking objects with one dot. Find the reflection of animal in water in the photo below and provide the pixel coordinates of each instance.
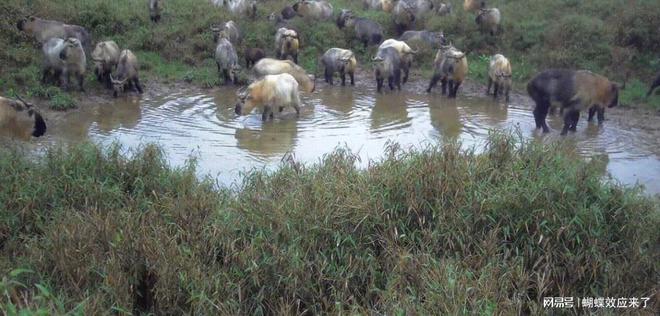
(272, 140)
(389, 110)
(20, 118)
(340, 100)
(445, 118)
(120, 114)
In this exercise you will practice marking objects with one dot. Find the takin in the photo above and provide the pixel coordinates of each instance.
(575, 91)
(444, 9)
(655, 84)
(474, 5)
(405, 55)
(499, 73)
(253, 55)
(315, 10)
(270, 91)
(450, 67)
(106, 57)
(227, 60)
(387, 64)
(127, 73)
(21, 118)
(382, 5)
(405, 13)
(232, 31)
(242, 7)
(43, 30)
(342, 16)
(432, 39)
(489, 20)
(269, 66)
(339, 60)
(365, 30)
(287, 44)
(63, 58)
(155, 9)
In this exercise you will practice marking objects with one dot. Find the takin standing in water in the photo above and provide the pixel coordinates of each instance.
(226, 59)
(253, 55)
(382, 5)
(339, 60)
(63, 58)
(405, 55)
(287, 44)
(43, 30)
(489, 20)
(499, 73)
(269, 66)
(127, 73)
(432, 39)
(155, 9)
(365, 30)
(271, 91)
(21, 118)
(655, 84)
(575, 91)
(314, 10)
(450, 67)
(232, 32)
(474, 5)
(387, 64)
(106, 58)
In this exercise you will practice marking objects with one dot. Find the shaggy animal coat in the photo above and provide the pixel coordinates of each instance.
(271, 91)
(269, 66)
(21, 119)
(106, 57)
(499, 73)
(127, 73)
(339, 60)
(576, 91)
(450, 68)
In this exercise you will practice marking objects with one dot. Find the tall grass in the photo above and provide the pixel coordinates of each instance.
(438, 231)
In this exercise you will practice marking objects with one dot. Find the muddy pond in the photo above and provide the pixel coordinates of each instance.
(202, 123)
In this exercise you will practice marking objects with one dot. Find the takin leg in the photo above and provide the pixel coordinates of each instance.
(227, 77)
(450, 85)
(490, 83)
(443, 83)
(495, 90)
(456, 85)
(267, 110)
(541, 112)
(352, 75)
(81, 79)
(136, 81)
(406, 71)
(390, 82)
(592, 112)
(397, 79)
(575, 119)
(295, 58)
(601, 115)
(342, 74)
(433, 83)
(379, 84)
(328, 76)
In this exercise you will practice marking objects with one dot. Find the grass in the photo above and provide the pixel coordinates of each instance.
(87, 230)
(610, 37)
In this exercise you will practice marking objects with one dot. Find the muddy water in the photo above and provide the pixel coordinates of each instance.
(203, 124)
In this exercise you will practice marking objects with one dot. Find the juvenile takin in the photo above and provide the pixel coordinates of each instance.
(155, 9)
(339, 60)
(287, 44)
(227, 60)
(450, 67)
(575, 91)
(106, 57)
(63, 58)
(270, 91)
(20, 118)
(387, 64)
(499, 74)
(127, 74)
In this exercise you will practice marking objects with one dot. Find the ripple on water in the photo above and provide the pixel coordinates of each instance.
(204, 124)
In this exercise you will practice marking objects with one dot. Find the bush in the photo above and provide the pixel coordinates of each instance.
(440, 230)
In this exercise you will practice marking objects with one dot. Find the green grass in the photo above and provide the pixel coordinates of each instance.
(610, 37)
(442, 230)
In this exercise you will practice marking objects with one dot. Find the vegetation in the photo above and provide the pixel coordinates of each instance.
(613, 37)
(443, 230)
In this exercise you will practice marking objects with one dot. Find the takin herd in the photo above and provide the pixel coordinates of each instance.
(278, 81)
